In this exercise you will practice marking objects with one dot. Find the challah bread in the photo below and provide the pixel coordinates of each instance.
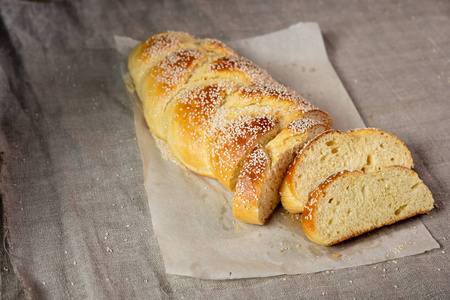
(188, 122)
(367, 150)
(256, 192)
(350, 203)
(211, 106)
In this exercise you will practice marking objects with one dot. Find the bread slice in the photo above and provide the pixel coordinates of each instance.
(256, 192)
(367, 150)
(351, 203)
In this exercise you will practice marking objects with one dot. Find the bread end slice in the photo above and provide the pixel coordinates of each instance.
(256, 193)
(350, 203)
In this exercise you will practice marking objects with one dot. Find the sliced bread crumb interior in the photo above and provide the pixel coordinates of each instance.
(350, 203)
(367, 150)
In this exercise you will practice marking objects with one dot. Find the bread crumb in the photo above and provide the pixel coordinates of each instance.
(336, 255)
(239, 228)
(108, 249)
(298, 245)
(281, 250)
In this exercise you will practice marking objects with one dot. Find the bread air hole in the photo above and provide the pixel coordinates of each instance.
(330, 143)
(400, 209)
(369, 159)
(334, 150)
(331, 201)
(330, 221)
(415, 186)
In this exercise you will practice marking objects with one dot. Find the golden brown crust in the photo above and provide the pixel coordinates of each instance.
(188, 122)
(217, 47)
(232, 141)
(249, 186)
(163, 82)
(150, 51)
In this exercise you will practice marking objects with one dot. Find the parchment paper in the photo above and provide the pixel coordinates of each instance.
(192, 215)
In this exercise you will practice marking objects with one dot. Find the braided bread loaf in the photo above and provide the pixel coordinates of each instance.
(223, 117)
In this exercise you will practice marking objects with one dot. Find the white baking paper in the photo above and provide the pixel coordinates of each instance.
(192, 215)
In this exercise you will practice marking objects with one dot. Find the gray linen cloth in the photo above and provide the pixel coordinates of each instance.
(77, 224)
